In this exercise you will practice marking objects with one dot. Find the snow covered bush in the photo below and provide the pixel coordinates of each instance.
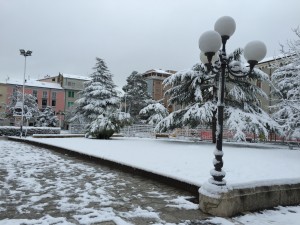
(286, 80)
(15, 131)
(47, 118)
(105, 126)
(99, 103)
(154, 113)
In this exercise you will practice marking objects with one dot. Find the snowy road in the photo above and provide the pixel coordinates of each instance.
(42, 187)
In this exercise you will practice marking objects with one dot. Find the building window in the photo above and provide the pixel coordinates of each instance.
(34, 93)
(70, 104)
(53, 103)
(71, 94)
(15, 90)
(53, 79)
(44, 103)
(45, 94)
(71, 84)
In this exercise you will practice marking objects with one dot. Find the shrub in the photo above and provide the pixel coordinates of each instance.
(29, 131)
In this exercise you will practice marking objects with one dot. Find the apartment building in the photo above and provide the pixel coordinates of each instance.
(72, 85)
(154, 79)
(47, 94)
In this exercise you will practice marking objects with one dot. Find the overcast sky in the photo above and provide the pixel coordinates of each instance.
(66, 35)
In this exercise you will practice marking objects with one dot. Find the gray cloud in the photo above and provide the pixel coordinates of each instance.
(67, 35)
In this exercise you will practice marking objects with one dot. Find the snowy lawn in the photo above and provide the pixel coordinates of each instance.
(190, 161)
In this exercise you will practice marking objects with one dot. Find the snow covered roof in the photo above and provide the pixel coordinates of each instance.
(32, 83)
(157, 71)
(267, 59)
(71, 76)
(272, 58)
(78, 77)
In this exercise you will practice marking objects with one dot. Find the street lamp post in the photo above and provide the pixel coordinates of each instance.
(210, 43)
(25, 54)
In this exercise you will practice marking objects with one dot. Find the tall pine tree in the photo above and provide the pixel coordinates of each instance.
(195, 91)
(136, 95)
(99, 103)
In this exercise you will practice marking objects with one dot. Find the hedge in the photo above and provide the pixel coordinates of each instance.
(15, 131)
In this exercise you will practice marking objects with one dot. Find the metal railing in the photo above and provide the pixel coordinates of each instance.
(198, 133)
(137, 130)
(77, 128)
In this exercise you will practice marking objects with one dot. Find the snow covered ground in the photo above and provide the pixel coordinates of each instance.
(192, 162)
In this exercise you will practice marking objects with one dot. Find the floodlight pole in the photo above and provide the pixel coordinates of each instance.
(25, 54)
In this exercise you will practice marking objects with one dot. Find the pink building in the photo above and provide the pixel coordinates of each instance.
(47, 94)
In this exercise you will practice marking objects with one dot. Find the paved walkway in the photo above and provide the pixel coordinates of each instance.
(39, 186)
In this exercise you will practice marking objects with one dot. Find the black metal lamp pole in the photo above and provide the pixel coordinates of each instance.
(210, 43)
(217, 173)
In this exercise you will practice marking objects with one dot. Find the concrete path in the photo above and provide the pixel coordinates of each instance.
(39, 186)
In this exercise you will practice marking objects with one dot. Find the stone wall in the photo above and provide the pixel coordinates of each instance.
(250, 199)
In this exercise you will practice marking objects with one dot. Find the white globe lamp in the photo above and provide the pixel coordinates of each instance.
(255, 51)
(225, 26)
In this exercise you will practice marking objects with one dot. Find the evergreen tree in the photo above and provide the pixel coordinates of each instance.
(47, 118)
(195, 90)
(136, 95)
(14, 106)
(286, 80)
(98, 105)
(154, 113)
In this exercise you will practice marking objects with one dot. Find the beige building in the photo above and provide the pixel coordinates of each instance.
(3, 101)
(268, 66)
